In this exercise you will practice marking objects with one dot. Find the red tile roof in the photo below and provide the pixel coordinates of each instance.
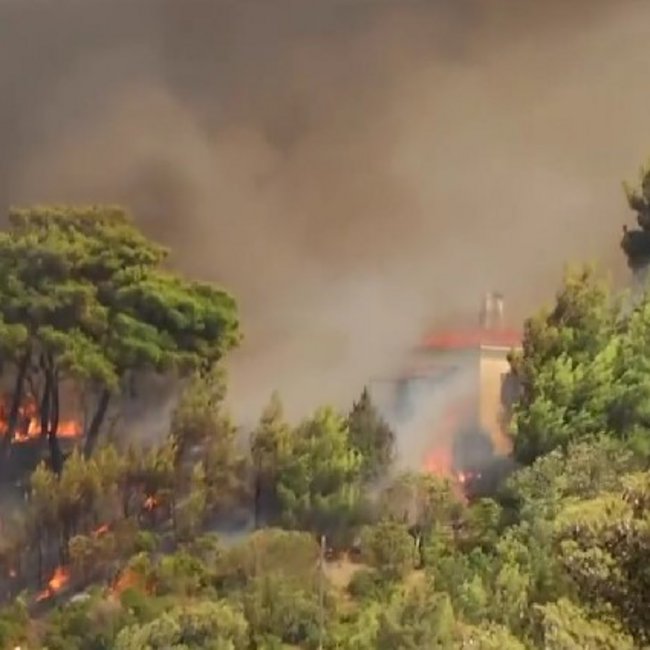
(461, 339)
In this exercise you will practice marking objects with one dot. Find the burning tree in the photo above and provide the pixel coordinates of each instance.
(85, 301)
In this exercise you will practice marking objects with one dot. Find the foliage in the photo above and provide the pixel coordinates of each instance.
(583, 370)
(636, 243)
(270, 444)
(197, 626)
(319, 480)
(371, 436)
(604, 546)
(555, 558)
(85, 301)
(563, 626)
(417, 620)
(14, 622)
(390, 548)
(271, 550)
(489, 637)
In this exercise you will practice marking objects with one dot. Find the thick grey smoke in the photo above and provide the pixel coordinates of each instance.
(352, 170)
(434, 417)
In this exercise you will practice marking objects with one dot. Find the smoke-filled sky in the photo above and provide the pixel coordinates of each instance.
(352, 170)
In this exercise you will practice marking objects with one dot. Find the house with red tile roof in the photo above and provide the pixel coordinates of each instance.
(461, 379)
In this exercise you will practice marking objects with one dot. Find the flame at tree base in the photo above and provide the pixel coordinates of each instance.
(150, 503)
(439, 462)
(59, 579)
(101, 530)
(127, 579)
(29, 425)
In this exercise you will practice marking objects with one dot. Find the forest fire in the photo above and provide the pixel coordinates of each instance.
(59, 579)
(150, 503)
(101, 530)
(440, 463)
(440, 460)
(29, 424)
(127, 579)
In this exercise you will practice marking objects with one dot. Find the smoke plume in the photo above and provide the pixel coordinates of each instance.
(354, 171)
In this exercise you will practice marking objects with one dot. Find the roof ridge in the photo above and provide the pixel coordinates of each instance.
(471, 338)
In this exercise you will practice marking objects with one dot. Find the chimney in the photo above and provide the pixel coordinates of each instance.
(491, 315)
(485, 316)
(498, 310)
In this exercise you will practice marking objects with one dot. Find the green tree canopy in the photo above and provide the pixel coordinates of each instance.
(270, 443)
(564, 626)
(85, 297)
(319, 478)
(371, 436)
(583, 370)
(605, 543)
(636, 242)
(201, 626)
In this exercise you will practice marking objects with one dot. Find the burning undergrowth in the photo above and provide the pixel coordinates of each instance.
(29, 425)
(435, 417)
(60, 578)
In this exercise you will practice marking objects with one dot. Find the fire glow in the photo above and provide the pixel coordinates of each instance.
(127, 579)
(101, 530)
(29, 424)
(439, 463)
(59, 579)
(150, 503)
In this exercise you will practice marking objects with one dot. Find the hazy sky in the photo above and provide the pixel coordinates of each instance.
(351, 170)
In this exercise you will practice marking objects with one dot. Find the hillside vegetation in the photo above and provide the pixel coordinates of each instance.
(117, 545)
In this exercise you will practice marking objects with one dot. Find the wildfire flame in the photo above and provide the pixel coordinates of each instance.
(29, 424)
(59, 579)
(102, 530)
(127, 579)
(440, 460)
(150, 503)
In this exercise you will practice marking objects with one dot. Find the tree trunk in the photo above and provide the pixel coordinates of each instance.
(257, 499)
(45, 404)
(39, 550)
(56, 456)
(66, 535)
(172, 512)
(50, 420)
(92, 434)
(54, 406)
(16, 401)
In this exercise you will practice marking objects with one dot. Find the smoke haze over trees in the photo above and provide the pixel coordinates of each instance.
(335, 163)
(352, 171)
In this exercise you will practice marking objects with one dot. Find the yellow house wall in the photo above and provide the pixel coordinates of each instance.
(493, 367)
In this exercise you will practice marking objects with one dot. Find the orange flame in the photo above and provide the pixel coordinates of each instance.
(439, 462)
(150, 503)
(29, 424)
(102, 530)
(465, 477)
(126, 580)
(59, 579)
